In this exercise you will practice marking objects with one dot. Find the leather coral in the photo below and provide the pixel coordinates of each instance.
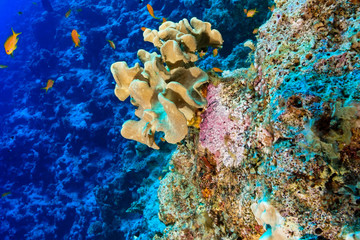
(166, 90)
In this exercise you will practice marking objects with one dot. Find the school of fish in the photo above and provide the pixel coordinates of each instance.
(10, 44)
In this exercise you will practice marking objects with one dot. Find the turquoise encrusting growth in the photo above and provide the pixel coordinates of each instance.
(277, 156)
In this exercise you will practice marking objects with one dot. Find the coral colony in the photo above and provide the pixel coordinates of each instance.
(240, 123)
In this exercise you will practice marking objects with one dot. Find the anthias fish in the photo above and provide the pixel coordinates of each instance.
(112, 44)
(250, 13)
(67, 14)
(49, 85)
(10, 44)
(75, 37)
(151, 11)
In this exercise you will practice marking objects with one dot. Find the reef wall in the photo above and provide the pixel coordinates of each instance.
(277, 154)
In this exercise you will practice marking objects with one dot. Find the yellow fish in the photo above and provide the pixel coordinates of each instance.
(255, 31)
(151, 11)
(75, 37)
(49, 85)
(251, 13)
(3, 66)
(143, 29)
(10, 44)
(112, 44)
(218, 70)
(215, 52)
(5, 194)
(67, 14)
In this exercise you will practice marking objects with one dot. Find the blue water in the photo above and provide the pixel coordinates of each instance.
(66, 172)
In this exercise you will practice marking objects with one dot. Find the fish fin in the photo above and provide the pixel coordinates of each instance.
(12, 54)
(14, 33)
(45, 89)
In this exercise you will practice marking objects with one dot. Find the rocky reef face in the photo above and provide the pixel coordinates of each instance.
(277, 153)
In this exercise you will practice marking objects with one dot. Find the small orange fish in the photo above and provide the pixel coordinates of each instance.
(75, 37)
(112, 44)
(255, 31)
(164, 20)
(10, 44)
(160, 177)
(143, 29)
(202, 54)
(218, 70)
(49, 85)
(215, 52)
(251, 13)
(271, 8)
(151, 11)
(3, 66)
(162, 139)
(5, 194)
(245, 10)
(67, 14)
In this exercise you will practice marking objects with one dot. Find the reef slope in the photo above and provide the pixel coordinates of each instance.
(277, 154)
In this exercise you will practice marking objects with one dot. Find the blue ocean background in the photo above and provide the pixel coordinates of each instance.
(66, 172)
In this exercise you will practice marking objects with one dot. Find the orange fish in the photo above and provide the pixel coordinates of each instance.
(67, 14)
(218, 70)
(49, 84)
(245, 10)
(112, 44)
(10, 44)
(162, 139)
(251, 13)
(255, 31)
(271, 8)
(5, 194)
(75, 37)
(164, 20)
(151, 11)
(143, 29)
(202, 54)
(215, 52)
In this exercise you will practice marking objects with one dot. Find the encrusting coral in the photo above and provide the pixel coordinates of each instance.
(278, 152)
(167, 90)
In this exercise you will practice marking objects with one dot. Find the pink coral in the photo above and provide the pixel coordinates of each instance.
(216, 123)
(220, 131)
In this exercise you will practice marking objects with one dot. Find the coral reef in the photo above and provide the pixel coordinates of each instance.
(167, 96)
(277, 152)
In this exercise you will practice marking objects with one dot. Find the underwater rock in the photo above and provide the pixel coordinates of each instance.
(284, 132)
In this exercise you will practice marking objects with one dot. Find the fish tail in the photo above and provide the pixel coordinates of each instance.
(14, 33)
(45, 89)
